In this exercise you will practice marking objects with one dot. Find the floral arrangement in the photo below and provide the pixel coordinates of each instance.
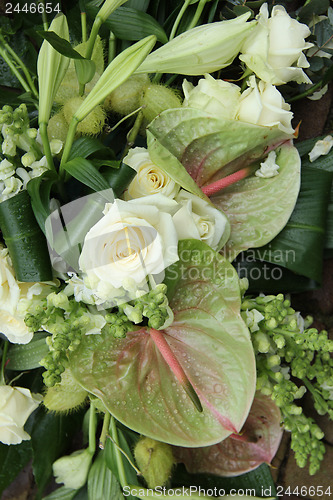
(147, 151)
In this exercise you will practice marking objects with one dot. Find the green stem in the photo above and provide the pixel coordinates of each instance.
(46, 145)
(21, 64)
(178, 19)
(3, 363)
(92, 429)
(306, 93)
(44, 16)
(7, 59)
(125, 118)
(316, 396)
(112, 47)
(132, 134)
(84, 26)
(68, 144)
(90, 45)
(119, 458)
(105, 428)
(197, 14)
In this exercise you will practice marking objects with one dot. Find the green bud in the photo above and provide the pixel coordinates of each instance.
(158, 98)
(155, 461)
(126, 98)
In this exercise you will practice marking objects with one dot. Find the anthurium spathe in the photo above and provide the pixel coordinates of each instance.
(257, 444)
(135, 381)
(213, 150)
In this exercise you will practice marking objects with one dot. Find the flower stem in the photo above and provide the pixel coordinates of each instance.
(132, 134)
(8, 60)
(68, 144)
(112, 47)
(84, 26)
(105, 428)
(46, 145)
(119, 458)
(44, 17)
(197, 14)
(92, 429)
(306, 92)
(3, 362)
(21, 64)
(178, 19)
(90, 45)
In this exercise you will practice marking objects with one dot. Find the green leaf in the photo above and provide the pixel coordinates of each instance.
(259, 208)
(86, 146)
(131, 24)
(39, 190)
(49, 438)
(311, 8)
(257, 482)
(209, 339)
(102, 484)
(61, 493)
(12, 460)
(84, 171)
(28, 356)
(85, 68)
(118, 179)
(299, 246)
(25, 241)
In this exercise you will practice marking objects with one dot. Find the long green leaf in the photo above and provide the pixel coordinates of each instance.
(61, 493)
(39, 190)
(86, 146)
(28, 356)
(102, 483)
(299, 246)
(25, 241)
(84, 171)
(131, 24)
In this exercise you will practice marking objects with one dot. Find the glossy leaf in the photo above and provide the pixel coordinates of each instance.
(86, 146)
(209, 339)
(39, 189)
(259, 208)
(84, 171)
(131, 24)
(257, 444)
(61, 493)
(25, 241)
(102, 484)
(27, 356)
(211, 148)
(299, 246)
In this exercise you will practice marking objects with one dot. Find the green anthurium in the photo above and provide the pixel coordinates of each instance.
(140, 384)
(258, 209)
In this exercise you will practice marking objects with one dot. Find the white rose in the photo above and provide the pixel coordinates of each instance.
(14, 299)
(72, 470)
(197, 219)
(16, 404)
(132, 240)
(274, 49)
(262, 104)
(216, 97)
(150, 179)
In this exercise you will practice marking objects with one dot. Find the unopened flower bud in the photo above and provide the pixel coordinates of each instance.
(158, 98)
(155, 461)
(92, 124)
(126, 98)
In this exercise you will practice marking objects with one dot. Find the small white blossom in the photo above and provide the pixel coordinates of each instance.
(268, 168)
(322, 147)
(6, 169)
(12, 186)
(252, 318)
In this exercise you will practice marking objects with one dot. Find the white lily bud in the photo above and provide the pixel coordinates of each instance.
(203, 49)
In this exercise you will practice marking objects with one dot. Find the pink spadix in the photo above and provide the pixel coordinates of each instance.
(216, 186)
(174, 365)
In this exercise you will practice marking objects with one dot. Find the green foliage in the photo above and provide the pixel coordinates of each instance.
(285, 347)
(12, 460)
